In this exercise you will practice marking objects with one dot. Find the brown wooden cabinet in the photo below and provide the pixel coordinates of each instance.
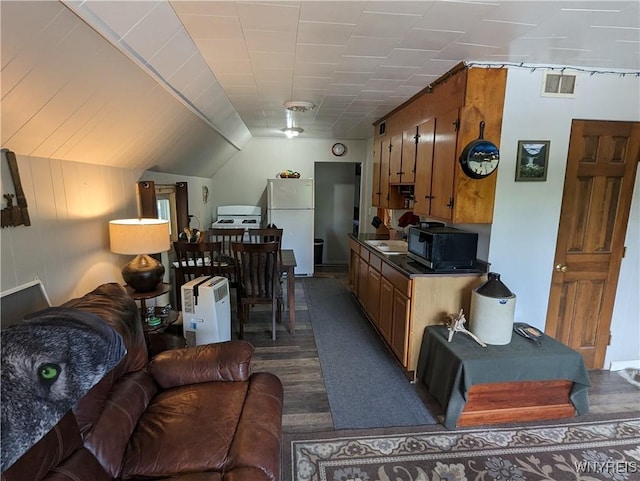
(424, 167)
(383, 194)
(354, 263)
(373, 295)
(385, 323)
(400, 324)
(447, 117)
(399, 306)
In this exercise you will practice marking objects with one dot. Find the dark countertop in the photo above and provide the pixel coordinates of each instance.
(411, 268)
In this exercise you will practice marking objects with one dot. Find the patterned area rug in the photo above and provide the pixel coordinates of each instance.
(561, 451)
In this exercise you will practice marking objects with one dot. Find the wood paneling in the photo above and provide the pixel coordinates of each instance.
(67, 244)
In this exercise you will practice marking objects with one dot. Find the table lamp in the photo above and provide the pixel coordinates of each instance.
(140, 237)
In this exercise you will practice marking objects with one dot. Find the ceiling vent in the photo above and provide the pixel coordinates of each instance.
(558, 85)
(299, 106)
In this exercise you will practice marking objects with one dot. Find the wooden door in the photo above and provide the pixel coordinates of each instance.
(395, 159)
(424, 161)
(376, 198)
(444, 164)
(363, 274)
(399, 334)
(385, 152)
(373, 295)
(601, 165)
(409, 145)
(386, 308)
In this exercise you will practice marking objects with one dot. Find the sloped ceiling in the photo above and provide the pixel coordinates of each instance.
(68, 94)
(181, 86)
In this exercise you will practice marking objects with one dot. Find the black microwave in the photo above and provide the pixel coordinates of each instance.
(442, 248)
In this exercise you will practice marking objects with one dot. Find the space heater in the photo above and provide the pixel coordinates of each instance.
(206, 310)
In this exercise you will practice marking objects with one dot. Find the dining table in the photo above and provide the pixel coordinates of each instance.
(287, 266)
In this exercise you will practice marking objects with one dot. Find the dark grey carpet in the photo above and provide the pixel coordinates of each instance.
(365, 385)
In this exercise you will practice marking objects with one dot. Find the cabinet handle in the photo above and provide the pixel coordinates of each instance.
(450, 204)
(430, 197)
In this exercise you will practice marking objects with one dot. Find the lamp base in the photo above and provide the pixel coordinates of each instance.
(143, 273)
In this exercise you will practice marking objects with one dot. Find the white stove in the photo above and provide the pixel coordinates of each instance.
(234, 216)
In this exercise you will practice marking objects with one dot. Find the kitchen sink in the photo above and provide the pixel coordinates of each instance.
(389, 247)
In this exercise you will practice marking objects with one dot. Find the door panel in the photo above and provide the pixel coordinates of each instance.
(377, 165)
(395, 159)
(424, 161)
(444, 159)
(601, 165)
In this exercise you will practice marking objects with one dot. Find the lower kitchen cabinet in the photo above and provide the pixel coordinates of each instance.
(385, 323)
(401, 306)
(373, 295)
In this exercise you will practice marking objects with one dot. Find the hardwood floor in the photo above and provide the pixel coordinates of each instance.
(294, 359)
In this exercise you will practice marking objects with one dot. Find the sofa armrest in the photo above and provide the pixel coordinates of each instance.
(225, 361)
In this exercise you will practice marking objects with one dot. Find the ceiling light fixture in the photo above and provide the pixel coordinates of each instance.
(292, 132)
(299, 106)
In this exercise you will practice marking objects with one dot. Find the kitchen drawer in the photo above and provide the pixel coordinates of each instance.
(375, 262)
(364, 254)
(399, 280)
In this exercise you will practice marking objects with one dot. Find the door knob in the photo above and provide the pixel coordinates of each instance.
(561, 268)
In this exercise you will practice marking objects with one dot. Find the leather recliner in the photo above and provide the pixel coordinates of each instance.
(191, 414)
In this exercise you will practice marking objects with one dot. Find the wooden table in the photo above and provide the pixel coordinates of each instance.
(287, 266)
(161, 288)
(516, 382)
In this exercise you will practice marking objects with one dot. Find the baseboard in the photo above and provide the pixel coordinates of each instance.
(620, 365)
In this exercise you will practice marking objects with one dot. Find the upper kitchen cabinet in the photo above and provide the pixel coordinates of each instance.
(387, 150)
(436, 125)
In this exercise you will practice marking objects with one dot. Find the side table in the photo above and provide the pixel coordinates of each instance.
(155, 336)
(516, 382)
(161, 288)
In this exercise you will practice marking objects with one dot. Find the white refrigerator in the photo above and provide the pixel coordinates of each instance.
(290, 204)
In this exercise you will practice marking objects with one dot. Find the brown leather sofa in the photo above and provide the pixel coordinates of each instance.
(192, 414)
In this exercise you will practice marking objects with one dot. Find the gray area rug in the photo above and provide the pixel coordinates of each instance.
(365, 385)
(575, 450)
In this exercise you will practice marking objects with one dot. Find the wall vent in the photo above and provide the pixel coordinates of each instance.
(558, 85)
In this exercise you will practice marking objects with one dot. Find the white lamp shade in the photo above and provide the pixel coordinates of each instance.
(139, 236)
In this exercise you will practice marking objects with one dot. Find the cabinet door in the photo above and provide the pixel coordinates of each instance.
(373, 295)
(395, 159)
(376, 199)
(385, 151)
(424, 166)
(444, 164)
(400, 326)
(386, 309)
(354, 265)
(363, 273)
(409, 147)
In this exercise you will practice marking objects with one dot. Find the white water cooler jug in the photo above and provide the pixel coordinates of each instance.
(492, 311)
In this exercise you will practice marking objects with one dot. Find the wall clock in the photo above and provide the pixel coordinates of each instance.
(338, 149)
(480, 158)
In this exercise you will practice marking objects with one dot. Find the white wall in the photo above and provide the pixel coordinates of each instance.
(67, 245)
(525, 225)
(70, 206)
(243, 180)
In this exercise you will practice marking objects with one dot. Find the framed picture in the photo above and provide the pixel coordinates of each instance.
(533, 158)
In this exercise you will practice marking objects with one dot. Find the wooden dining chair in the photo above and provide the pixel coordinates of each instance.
(195, 260)
(257, 268)
(267, 234)
(270, 234)
(226, 237)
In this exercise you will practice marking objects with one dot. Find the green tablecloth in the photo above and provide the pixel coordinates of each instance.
(450, 369)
